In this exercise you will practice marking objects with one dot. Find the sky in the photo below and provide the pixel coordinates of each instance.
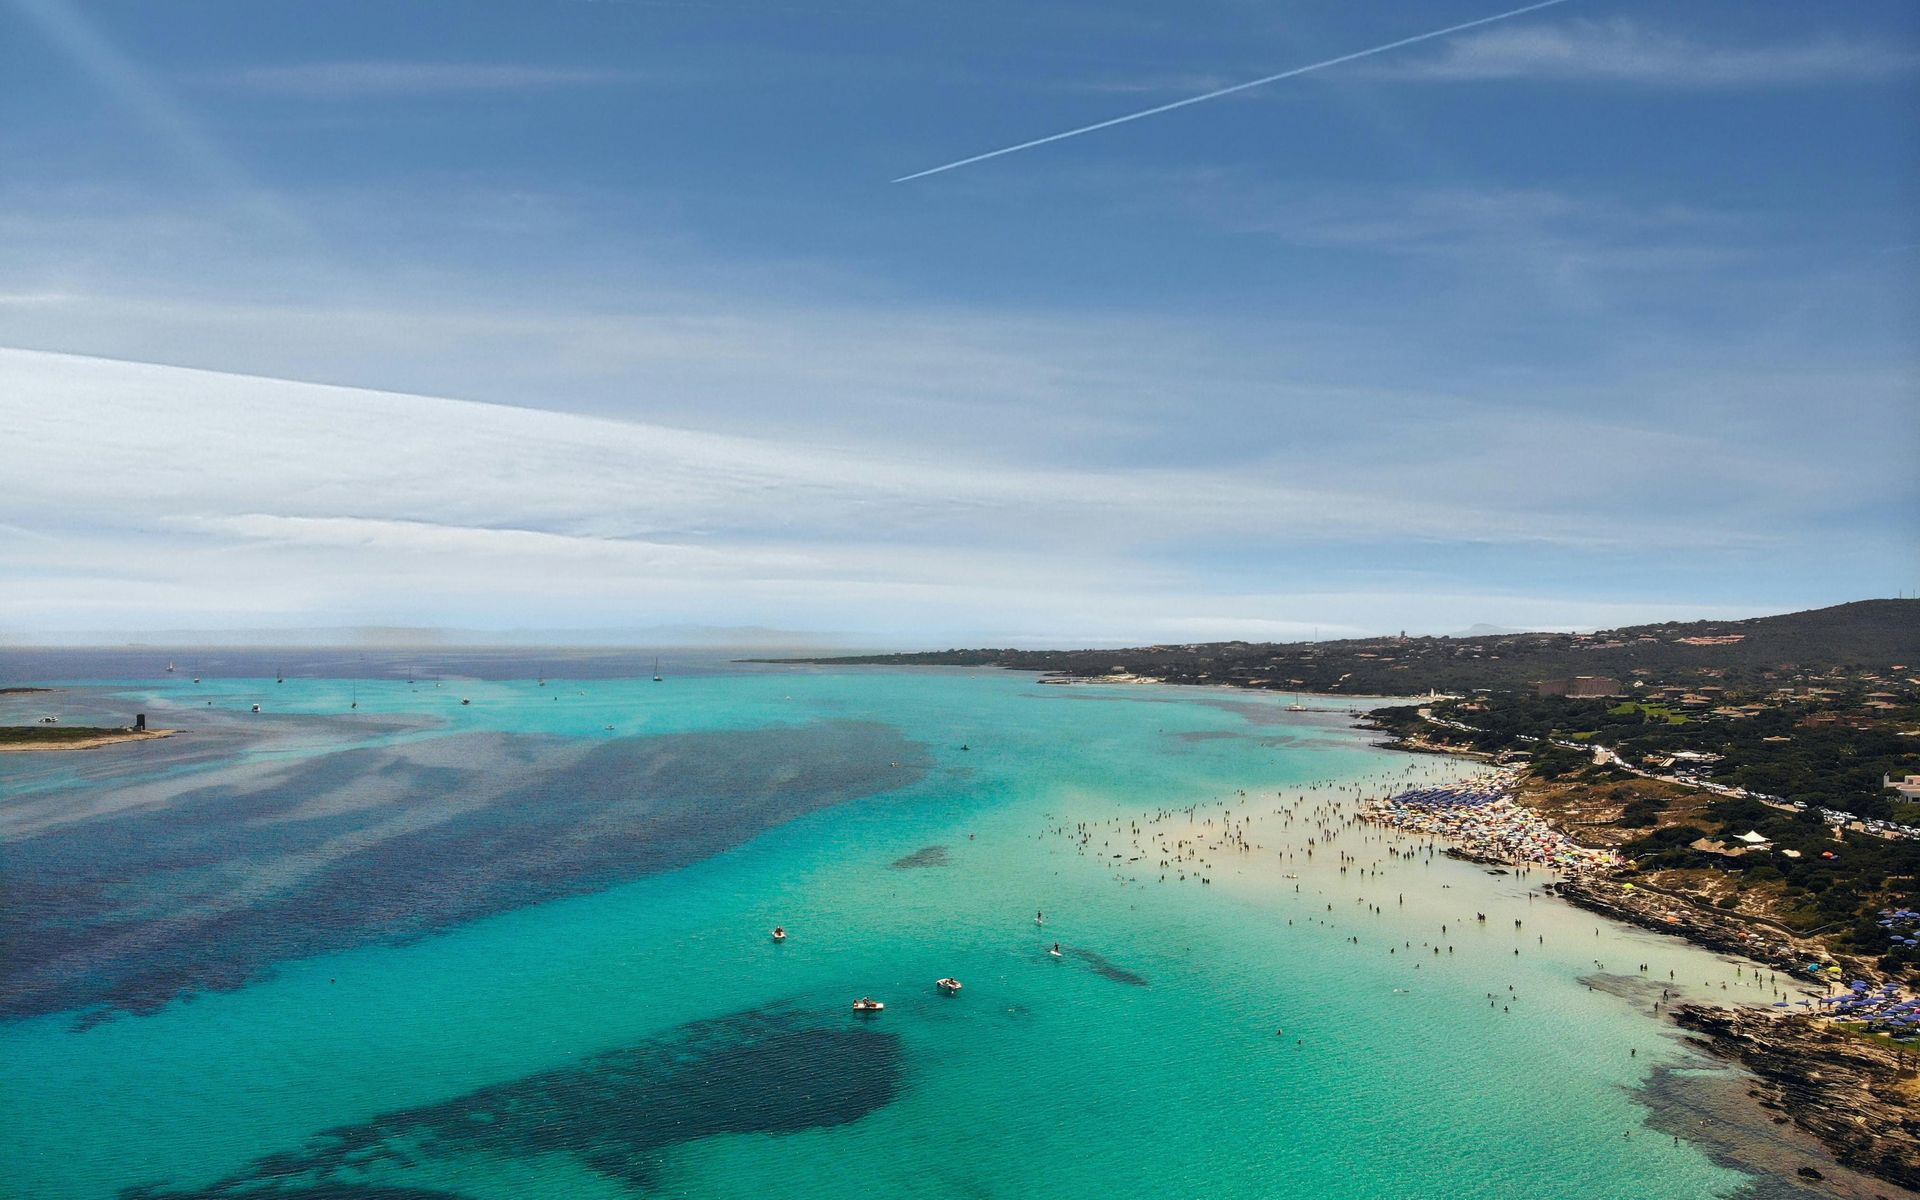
(585, 318)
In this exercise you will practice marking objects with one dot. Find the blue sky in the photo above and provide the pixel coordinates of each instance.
(1602, 313)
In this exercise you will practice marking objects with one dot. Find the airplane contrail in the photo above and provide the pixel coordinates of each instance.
(1226, 91)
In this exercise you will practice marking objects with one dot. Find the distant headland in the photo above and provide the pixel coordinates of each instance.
(1863, 634)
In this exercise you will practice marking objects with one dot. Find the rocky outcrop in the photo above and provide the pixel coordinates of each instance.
(1857, 1096)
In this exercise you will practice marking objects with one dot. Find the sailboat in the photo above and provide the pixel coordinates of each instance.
(657, 677)
(1296, 706)
(170, 668)
(279, 675)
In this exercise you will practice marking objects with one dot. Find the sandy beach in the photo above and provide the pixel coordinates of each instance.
(1320, 855)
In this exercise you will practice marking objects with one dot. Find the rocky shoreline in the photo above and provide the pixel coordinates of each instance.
(1857, 1096)
(1721, 932)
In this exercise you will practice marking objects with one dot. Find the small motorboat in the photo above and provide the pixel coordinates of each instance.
(256, 708)
(867, 1004)
(949, 985)
(464, 700)
(779, 933)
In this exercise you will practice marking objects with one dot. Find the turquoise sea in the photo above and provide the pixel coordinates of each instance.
(377, 942)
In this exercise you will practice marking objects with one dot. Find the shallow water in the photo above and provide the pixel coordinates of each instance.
(498, 950)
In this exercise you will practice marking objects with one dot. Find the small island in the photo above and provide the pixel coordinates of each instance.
(22, 738)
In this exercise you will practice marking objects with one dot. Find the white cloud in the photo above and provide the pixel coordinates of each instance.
(370, 78)
(1622, 51)
(180, 497)
(1471, 220)
(271, 458)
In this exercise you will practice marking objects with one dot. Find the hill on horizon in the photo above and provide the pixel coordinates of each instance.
(1869, 635)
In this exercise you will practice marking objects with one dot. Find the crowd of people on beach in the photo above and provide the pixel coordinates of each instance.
(1481, 817)
(1333, 846)
(1335, 855)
